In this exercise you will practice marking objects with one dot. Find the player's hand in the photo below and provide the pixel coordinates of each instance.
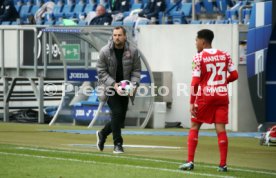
(193, 110)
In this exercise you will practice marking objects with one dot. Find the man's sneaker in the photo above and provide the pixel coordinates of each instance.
(118, 149)
(187, 166)
(100, 140)
(222, 168)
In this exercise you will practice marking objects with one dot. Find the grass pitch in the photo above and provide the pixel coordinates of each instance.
(29, 150)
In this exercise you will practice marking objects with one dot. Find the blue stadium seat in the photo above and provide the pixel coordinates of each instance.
(246, 17)
(82, 23)
(129, 24)
(18, 5)
(68, 9)
(6, 23)
(59, 23)
(117, 23)
(126, 13)
(160, 17)
(178, 18)
(198, 6)
(172, 7)
(90, 7)
(208, 6)
(195, 22)
(231, 14)
(15, 23)
(234, 21)
(34, 9)
(186, 8)
(25, 11)
(57, 9)
(222, 5)
(207, 22)
(49, 23)
(79, 8)
(136, 6)
(92, 100)
(221, 22)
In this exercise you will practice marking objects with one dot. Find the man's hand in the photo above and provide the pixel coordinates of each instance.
(116, 87)
(193, 109)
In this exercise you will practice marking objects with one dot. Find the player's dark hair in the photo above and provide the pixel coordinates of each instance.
(120, 27)
(206, 34)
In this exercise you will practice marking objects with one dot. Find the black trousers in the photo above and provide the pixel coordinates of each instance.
(118, 106)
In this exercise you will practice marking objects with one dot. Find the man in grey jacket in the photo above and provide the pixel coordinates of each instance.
(118, 61)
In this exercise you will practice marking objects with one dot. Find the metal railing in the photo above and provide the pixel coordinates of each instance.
(16, 73)
(240, 12)
(2, 47)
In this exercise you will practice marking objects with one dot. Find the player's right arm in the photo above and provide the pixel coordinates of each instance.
(195, 83)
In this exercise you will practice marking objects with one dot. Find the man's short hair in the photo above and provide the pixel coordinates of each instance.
(120, 27)
(206, 34)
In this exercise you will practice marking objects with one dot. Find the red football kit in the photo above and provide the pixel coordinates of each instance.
(209, 85)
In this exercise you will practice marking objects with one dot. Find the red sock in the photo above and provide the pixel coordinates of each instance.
(223, 147)
(192, 143)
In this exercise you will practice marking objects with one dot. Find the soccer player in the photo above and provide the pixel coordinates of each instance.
(209, 95)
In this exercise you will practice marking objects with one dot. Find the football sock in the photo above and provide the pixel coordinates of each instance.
(223, 147)
(192, 143)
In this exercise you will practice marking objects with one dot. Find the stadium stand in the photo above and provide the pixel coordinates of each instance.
(177, 11)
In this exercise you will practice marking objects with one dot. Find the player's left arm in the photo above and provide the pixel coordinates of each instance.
(234, 75)
(136, 69)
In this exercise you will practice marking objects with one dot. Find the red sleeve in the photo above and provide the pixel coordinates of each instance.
(194, 89)
(233, 76)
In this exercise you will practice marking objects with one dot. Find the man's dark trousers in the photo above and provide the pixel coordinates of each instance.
(118, 106)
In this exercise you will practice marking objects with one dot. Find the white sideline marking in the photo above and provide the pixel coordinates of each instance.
(243, 170)
(128, 146)
(112, 164)
(146, 159)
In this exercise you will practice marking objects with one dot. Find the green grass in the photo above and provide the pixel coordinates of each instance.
(28, 150)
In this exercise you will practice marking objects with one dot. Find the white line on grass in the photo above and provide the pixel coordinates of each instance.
(128, 146)
(112, 164)
(147, 159)
(243, 170)
(100, 155)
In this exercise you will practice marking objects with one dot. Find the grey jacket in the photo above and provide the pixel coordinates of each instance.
(107, 65)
